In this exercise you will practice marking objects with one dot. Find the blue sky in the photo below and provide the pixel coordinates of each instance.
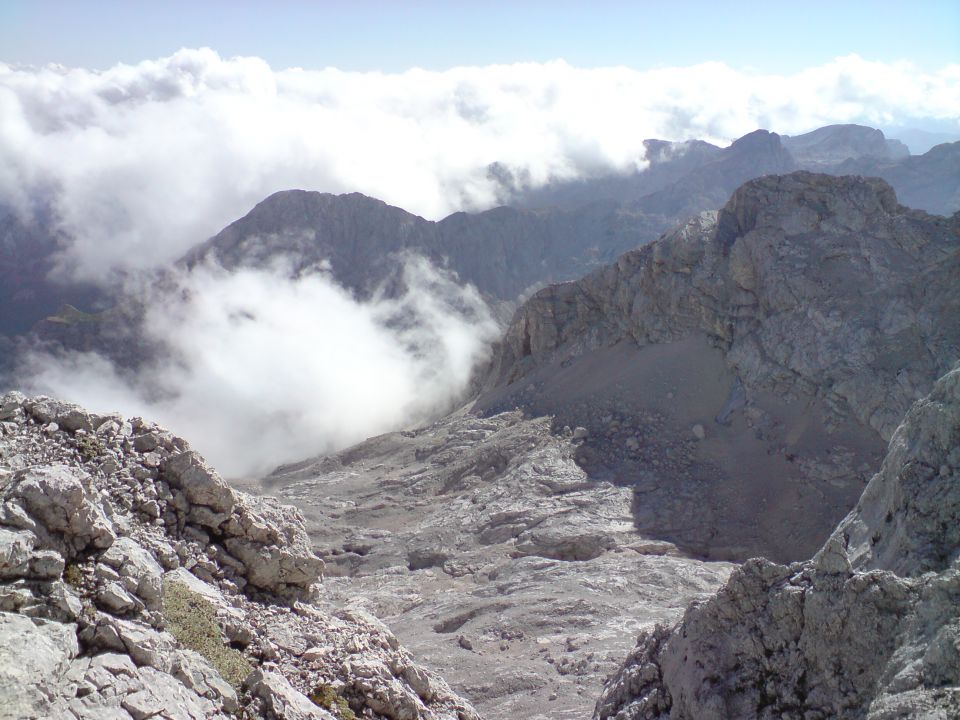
(393, 36)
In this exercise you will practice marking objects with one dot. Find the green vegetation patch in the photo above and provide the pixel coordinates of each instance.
(90, 447)
(327, 697)
(192, 619)
(73, 576)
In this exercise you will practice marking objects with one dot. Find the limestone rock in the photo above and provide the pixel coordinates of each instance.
(56, 497)
(282, 700)
(34, 660)
(751, 323)
(867, 629)
(201, 484)
(91, 625)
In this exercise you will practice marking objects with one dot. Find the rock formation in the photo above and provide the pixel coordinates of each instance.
(869, 628)
(135, 583)
(741, 361)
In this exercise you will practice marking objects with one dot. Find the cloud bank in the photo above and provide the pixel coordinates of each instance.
(264, 369)
(144, 161)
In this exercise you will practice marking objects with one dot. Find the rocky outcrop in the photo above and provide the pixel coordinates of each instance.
(135, 583)
(869, 628)
(752, 324)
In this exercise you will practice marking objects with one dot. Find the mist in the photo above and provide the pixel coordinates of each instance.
(264, 369)
(140, 162)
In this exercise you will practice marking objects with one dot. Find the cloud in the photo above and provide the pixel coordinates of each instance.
(264, 369)
(146, 160)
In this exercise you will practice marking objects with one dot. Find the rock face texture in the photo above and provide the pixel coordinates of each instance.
(493, 557)
(869, 628)
(135, 583)
(783, 337)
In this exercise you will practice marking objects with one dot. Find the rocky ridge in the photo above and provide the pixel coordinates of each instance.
(135, 583)
(751, 324)
(869, 628)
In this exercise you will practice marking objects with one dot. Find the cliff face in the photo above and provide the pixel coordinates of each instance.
(804, 280)
(135, 583)
(869, 628)
(794, 327)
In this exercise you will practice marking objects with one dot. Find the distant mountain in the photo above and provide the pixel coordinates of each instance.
(829, 146)
(506, 252)
(920, 141)
(930, 181)
(503, 251)
(685, 178)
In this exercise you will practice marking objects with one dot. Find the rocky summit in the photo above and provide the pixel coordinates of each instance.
(135, 583)
(744, 372)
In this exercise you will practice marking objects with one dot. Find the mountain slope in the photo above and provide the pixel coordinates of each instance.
(869, 628)
(135, 583)
(742, 372)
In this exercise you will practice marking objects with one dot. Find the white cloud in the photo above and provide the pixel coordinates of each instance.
(147, 160)
(266, 370)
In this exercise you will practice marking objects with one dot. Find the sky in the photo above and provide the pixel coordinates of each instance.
(394, 35)
(144, 128)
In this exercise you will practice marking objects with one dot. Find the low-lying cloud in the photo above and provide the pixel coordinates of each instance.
(144, 161)
(263, 369)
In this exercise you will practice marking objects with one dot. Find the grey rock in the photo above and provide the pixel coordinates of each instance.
(496, 535)
(97, 643)
(15, 552)
(755, 316)
(132, 561)
(867, 629)
(68, 416)
(11, 405)
(57, 498)
(201, 484)
(31, 682)
(282, 700)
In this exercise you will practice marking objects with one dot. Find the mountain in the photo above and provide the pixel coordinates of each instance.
(827, 147)
(920, 141)
(727, 391)
(503, 251)
(866, 629)
(724, 392)
(744, 372)
(507, 252)
(678, 171)
(930, 181)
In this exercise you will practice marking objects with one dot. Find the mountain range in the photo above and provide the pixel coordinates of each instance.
(723, 413)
